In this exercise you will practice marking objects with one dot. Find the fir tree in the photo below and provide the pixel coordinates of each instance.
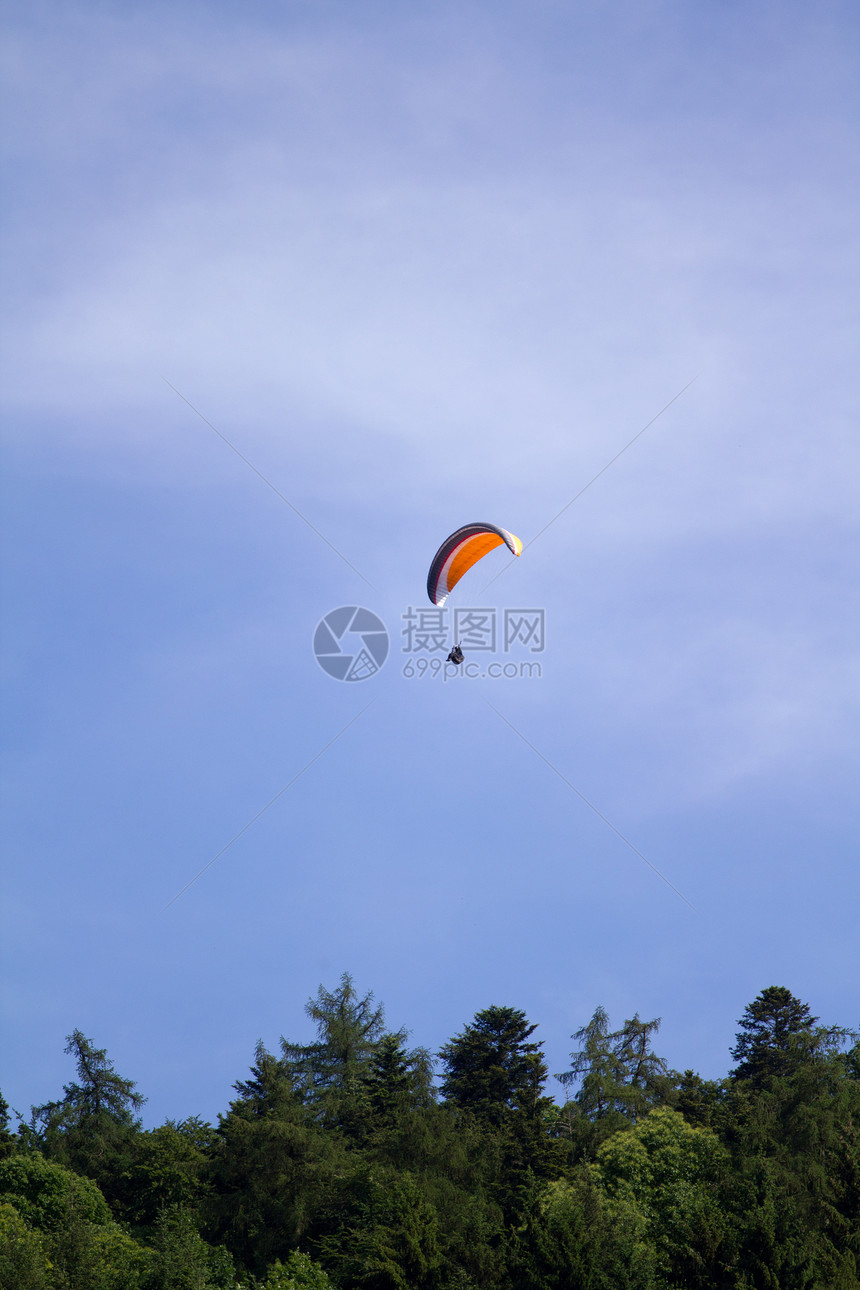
(91, 1129)
(776, 1033)
(494, 1067)
(327, 1075)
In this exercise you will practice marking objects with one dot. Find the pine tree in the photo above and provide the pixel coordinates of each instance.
(91, 1129)
(595, 1067)
(272, 1173)
(795, 1107)
(776, 1033)
(495, 1074)
(396, 1081)
(268, 1086)
(327, 1075)
(619, 1079)
(8, 1139)
(494, 1067)
(644, 1075)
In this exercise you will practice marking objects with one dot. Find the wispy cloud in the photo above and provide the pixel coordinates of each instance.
(420, 265)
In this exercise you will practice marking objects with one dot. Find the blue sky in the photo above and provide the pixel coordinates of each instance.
(425, 264)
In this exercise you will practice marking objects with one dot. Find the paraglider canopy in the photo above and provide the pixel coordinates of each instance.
(460, 551)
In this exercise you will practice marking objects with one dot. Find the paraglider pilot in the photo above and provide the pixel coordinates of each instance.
(456, 656)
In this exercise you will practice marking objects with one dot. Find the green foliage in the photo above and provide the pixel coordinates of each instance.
(494, 1068)
(389, 1237)
(796, 1179)
(776, 1033)
(298, 1273)
(168, 1169)
(644, 1076)
(395, 1082)
(702, 1102)
(86, 1257)
(619, 1076)
(268, 1086)
(101, 1098)
(182, 1260)
(8, 1140)
(24, 1264)
(495, 1075)
(594, 1067)
(44, 1193)
(575, 1236)
(84, 1248)
(668, 1174)
(328, 1074)
(271, 1173)
(91, 1129)
(336, 1165)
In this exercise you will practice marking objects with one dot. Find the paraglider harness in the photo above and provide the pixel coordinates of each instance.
(456, 656)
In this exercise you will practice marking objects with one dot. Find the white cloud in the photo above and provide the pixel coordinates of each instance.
(422, 263)
(440, 269)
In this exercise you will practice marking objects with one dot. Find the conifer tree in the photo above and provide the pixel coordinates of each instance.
(92, 1127)
(396, 1081)
(7, 1138)
(595, 1067)
(102, 1095)
(619, 1079)
(776, 1032)
(328, 1074)
(494, 1067)
(267, 1087)
(644, 1075)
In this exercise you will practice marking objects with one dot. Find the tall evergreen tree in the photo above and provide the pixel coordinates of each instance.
(494, 1067)
(396, 1081)
(619, 1076)
(644, 1075)
(776, 1033)
(101, 1096)
(594, 1066)
(91, 1129)
(7, 1138)
(272, 1173)
(793, 1130)
(327, 1075)
(268, 1085)
(495, 1073)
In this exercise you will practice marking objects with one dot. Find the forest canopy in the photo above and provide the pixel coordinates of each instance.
(356, 1160)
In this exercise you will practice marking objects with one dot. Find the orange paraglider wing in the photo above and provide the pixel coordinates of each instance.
(460, 551)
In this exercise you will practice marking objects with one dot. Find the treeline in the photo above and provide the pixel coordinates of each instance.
(358, 1163)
